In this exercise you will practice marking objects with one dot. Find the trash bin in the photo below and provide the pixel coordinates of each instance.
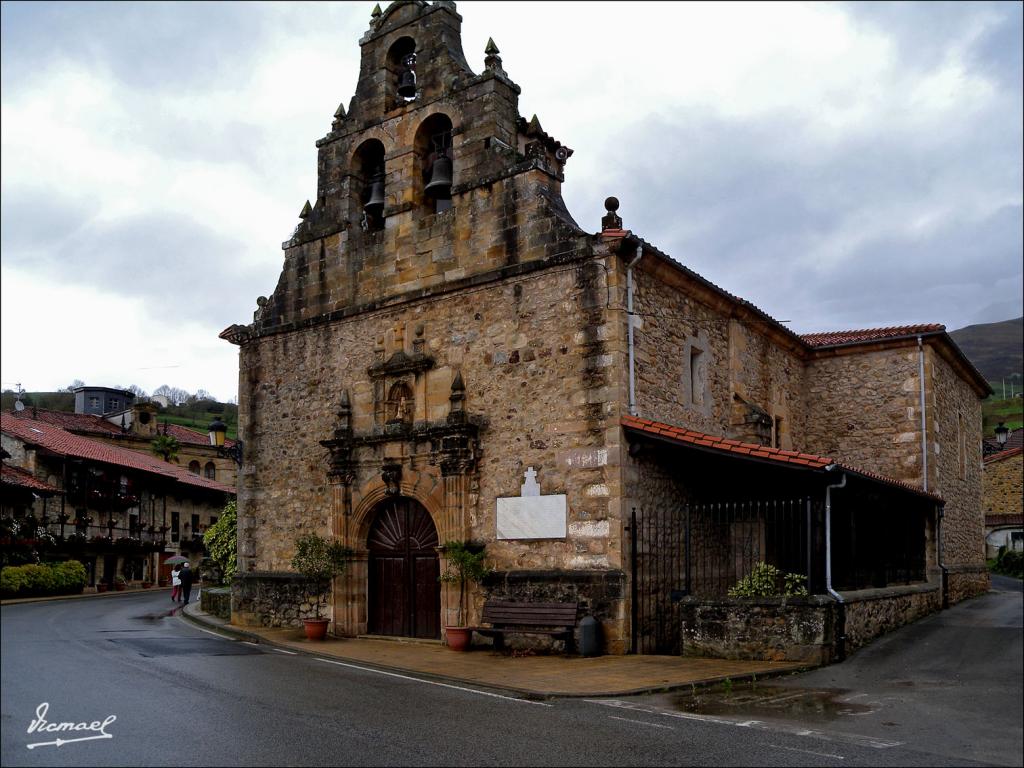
(589, 640)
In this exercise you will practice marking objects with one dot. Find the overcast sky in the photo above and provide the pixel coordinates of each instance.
(839, 165)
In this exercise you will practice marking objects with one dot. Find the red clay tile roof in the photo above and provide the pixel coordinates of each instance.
(1013, 518)
(80, 422)
(65, 443)
(1003, 455)
(87, 422)
(754, 451)
(836, 338)
(24, 479)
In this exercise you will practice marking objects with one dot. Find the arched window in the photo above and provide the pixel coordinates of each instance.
(193, 467)
(210, 470)
(400, 404)
(368, 185)
(433, 147)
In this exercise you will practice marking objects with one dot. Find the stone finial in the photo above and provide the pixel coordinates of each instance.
(533, 127)
(491, 58)
(457, 400)
(339, 113)
(376, 13)
(307, 209)
(611, 220)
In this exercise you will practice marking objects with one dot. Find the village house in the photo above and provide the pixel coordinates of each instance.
(120, 512)
(449, 356)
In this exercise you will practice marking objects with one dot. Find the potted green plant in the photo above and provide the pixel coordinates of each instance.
(464, 563)
(120, 584)
(319, 561)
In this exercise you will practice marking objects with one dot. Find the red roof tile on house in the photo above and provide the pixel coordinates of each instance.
(65, 443)
(752, 450)
(1003, 455)
(79, 422)
(835, 338)
(87, 422)
(22, 478)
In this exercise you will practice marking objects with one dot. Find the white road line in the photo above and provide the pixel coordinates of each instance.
(431, 682)
(831, 736)
(808, 751)
(246, 642)
(641, 722)
(280, 650)
(215, 634)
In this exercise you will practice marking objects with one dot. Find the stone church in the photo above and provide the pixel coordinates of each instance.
(449, 356)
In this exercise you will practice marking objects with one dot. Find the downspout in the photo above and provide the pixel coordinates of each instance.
(944, 576)
(924, 423)
(629, 328)
(840, 603)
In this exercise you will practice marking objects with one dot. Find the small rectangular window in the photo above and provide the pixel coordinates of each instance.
(175, 526)
(698, 376)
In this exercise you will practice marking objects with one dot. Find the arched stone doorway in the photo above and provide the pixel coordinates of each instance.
(404, 596)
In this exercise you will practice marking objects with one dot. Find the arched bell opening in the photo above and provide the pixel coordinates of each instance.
(368, 185)
(433, 147)
(401, 64)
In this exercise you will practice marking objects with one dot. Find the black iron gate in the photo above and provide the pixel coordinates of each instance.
(704, 549)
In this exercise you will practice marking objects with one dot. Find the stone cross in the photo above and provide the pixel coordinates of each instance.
(530, 487)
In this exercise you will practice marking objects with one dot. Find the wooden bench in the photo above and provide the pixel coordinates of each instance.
(558, 620)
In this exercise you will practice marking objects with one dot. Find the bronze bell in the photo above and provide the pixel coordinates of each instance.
(374, 206)
(440, 184)
(407, 84)
(407, 80)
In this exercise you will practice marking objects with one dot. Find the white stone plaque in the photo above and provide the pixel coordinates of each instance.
(531, 516)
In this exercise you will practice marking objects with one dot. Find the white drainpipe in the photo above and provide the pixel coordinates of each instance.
(841, 629)
(924, 423)
(629, 329)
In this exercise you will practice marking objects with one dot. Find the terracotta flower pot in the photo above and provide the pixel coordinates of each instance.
(101, 587)
(316, 629)
(120, 587)
(458, 637)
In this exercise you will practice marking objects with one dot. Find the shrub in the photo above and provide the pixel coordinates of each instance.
(12, 581)
(221, 541)
(463, 565)
(766, 580)
(319, 560)
(1010, 563)
(43, 579)
(39, 580)
(70, 577)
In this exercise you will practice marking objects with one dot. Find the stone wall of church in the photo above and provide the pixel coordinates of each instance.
(531, 352)
(698, 366)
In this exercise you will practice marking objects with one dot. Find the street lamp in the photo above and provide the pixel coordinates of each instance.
(218, 431)
(1002, 433)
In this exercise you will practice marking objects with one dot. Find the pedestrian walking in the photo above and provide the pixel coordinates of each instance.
(186, 581)
(175, 584)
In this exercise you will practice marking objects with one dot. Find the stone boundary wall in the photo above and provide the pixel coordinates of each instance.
(965, 581)
(874, 612)
(799, 629)
(601, 594)
(272, 599)
(216, 602)
(774, 629)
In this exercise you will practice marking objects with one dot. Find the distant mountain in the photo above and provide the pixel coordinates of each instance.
(996, 349)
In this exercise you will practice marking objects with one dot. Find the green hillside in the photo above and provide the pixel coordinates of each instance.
(997, 350)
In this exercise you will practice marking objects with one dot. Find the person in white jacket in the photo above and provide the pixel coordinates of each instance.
(176, 584)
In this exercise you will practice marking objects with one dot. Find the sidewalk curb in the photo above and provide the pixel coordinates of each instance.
(528, 693)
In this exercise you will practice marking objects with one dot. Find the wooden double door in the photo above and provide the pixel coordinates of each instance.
(404, 592)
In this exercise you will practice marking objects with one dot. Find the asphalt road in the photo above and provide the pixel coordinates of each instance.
(946, 691)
